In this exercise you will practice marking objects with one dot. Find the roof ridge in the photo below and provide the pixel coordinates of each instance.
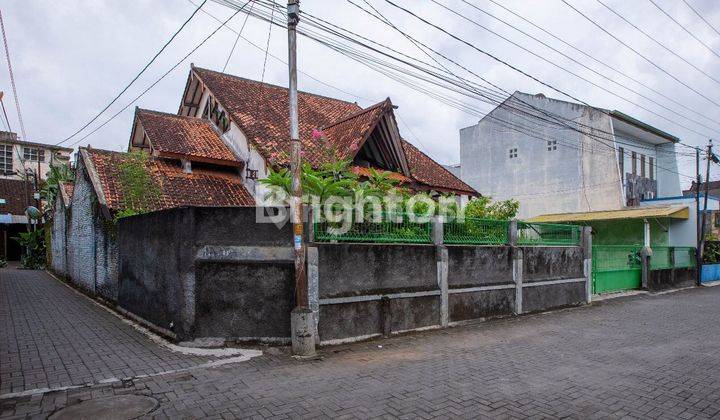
(272, 85)
(168, 114)
(357, 114)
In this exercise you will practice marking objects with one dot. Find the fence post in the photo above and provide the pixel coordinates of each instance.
(586, 242)
(517, 266)
(314, 288)
(442, 269)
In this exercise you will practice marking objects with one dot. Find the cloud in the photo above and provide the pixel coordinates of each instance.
(70, 58)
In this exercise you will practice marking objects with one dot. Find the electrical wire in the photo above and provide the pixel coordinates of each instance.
(651, 62)
(12, 79)
(685, 29)
(137, 76)
(711, 26)
(157, 81)
(232, 50)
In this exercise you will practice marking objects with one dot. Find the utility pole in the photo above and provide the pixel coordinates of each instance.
(698, 234)
(705, 201)
(302, 319)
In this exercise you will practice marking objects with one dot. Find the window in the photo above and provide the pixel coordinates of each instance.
(513, 153)
(33, 154)
(213, 113)
(551, 145)
(6, 159)
(621, 162)
(652, 168)
(642, 166)
(634, 163)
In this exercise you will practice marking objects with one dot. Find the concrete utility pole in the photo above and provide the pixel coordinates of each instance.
(302, 318)
(705, 200)
(698, 234)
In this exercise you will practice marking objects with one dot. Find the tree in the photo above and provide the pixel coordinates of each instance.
(485, 208)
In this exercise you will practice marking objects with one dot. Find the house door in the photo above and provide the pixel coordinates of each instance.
(616, 268)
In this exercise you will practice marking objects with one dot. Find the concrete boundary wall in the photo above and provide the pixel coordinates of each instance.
(360, 291)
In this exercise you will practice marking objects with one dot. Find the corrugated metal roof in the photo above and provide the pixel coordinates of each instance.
(672, 212)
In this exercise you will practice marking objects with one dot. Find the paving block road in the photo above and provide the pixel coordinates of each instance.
(646, 356)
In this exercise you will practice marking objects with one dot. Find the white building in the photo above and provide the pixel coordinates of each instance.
(18, 158)
(555, 156)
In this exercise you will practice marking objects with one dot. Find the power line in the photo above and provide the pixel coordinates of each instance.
(232, 50)
(600, 74)
(701, 17)
(137, 76)
(12, 80)
(685, 29)
(651, 62)
(653, 39)
(158, 80)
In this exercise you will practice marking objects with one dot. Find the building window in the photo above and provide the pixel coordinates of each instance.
(213, 113)
(513, 153)
(551, 145)
(33, 154)
(634, 163)
(652, 168)
(642, 166)
(6, 159)
(621, 162)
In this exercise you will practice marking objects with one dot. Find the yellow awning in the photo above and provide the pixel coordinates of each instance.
(672, 212)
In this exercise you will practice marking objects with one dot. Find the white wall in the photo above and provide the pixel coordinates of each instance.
(683, 232)
(579, 175)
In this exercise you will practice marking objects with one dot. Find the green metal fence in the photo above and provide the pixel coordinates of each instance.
(392, 228)
(476, 231)
(548, 234)
(665, 257)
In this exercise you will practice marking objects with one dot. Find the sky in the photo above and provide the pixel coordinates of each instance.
(71, 58)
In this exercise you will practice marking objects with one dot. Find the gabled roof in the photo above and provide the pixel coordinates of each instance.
(429, 172)
(177, 188)
(178, 137)
(17, 194)
(261, 112)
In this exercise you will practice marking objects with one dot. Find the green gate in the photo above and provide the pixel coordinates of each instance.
(616, 267)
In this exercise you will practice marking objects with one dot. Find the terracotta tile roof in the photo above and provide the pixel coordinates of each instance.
(348, 134)
(427, 171)
(66, 192)
(365, 172)
(16, 196)
(261, 111)
(344, 124)
(173, 136)
(199, 188)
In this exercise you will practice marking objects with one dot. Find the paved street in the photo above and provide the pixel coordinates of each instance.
(51, 336)
(644, 356)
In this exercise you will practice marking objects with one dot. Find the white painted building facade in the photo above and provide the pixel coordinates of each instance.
(529, 148)
(18, 158)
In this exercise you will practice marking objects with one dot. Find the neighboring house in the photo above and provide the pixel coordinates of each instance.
(253, 118)
(551, 168)
(183, 178)
(712, 186)
(15, 197)
(229, 133)
(18, 158)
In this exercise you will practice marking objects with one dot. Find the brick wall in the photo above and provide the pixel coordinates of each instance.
(58, 239)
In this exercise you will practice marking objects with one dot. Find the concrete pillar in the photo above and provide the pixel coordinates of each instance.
(586, 242)
(314, 288)
(512, 233)
(517, 272)
(645, 255)
(302, 323)
(442, 276)
(386, 316)
(437, 230)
